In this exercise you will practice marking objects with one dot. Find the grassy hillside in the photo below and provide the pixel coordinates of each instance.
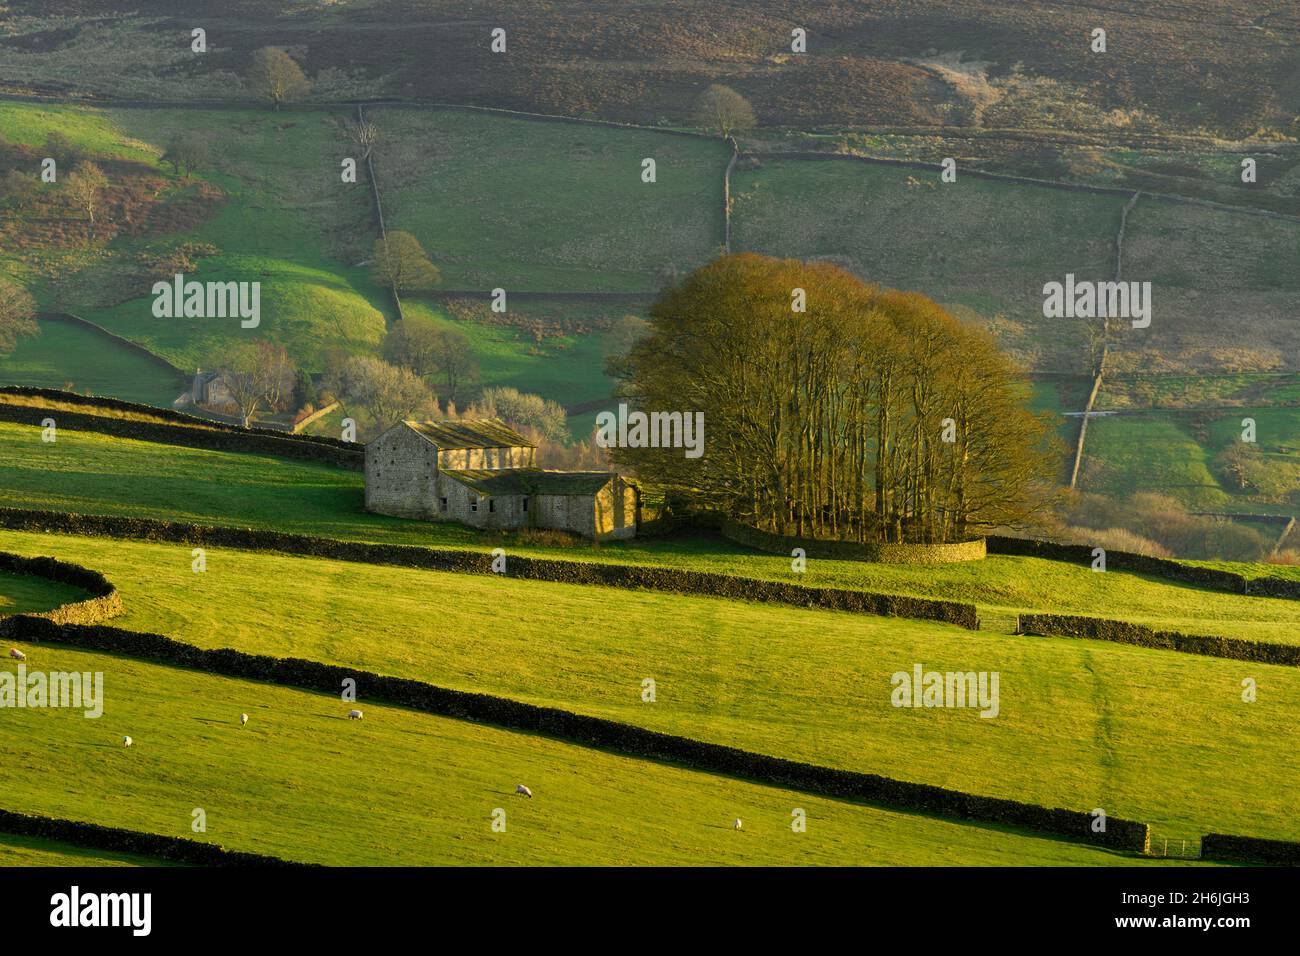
(984, 245)
(1225, 65)
(1081, 724)
(64, 353)
(567, 368)
(1212, 271)
(298, 232)
(540, 206)
(33, 851)
(299, 781)
(1182, 455)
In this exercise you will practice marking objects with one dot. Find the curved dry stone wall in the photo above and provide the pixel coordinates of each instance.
(104, 602)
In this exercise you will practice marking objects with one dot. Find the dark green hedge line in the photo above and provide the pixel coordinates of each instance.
(672, 580)
(1120, 561)
(772, 543)
(104, 602)
(117, 840)
(594, 732)
(279, 444)
(1121, 632)
(1240, 849)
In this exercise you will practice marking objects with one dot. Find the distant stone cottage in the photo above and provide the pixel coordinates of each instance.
(484, 474)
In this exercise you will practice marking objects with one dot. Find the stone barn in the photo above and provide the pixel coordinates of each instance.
(483, 473)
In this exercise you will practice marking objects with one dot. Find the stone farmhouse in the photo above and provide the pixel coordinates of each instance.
(484, 474)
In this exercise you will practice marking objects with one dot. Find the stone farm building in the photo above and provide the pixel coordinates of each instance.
(483, 473)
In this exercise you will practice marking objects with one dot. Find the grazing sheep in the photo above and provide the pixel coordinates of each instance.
(354, 715)
(243, 719)
(524, 790)
(738, 823)
(127, 741)
(16, 654)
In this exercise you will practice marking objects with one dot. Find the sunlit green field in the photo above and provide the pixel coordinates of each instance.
(1151, 735)
(65, 354)
(299, 781)
(33, 851)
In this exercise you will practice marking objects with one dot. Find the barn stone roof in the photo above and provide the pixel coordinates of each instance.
(532, 481)
(481, 433)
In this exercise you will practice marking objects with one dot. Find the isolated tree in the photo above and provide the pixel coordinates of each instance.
(186, 151)
(276, 76)
(17, 311)
(400, 263)
(84, 187)
(259, 376)
(364, 133)
(722, 108)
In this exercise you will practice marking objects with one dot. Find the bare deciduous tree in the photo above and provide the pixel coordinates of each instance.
(725, 110)
(388, 394)
(259, 376)
(17, 309)
(364, 133)
(84, 186)
(276, 76)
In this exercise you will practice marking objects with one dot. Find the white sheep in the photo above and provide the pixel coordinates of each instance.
(524, 790)
(738, 824)
(127, 741)
(354, 715)
(16, 654)
(243, 719)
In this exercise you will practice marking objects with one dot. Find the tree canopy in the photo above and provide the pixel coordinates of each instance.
(275, 76)
(873, 415)
(17, 311)
(723, 109)
(400, 262)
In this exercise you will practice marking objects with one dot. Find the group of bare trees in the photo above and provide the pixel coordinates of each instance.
(259, 376)
(871, 415)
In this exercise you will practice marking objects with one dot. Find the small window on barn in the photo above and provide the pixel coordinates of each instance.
(524, 504)
(442, 504)
(492, 504)
(473, 504)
